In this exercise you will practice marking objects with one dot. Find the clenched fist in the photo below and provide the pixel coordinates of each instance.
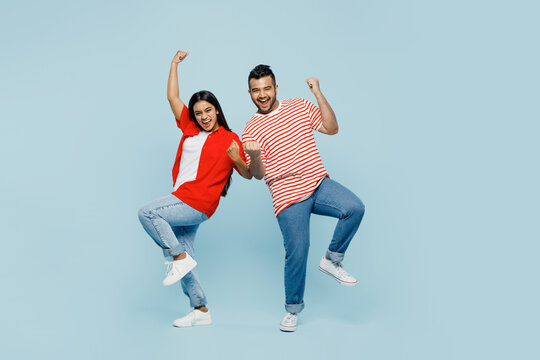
(234, 151)
(180, 56)
(313, 84)
(253, 149)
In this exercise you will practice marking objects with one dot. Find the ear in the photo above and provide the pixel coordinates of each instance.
(249, 91)
(276, 87)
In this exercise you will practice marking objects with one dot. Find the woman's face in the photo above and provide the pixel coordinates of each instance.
(206, 115)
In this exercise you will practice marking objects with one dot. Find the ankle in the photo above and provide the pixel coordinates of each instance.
(202, 308)
(180, 256)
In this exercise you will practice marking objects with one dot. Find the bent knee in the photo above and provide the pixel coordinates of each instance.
(144, 213)
(357, 209)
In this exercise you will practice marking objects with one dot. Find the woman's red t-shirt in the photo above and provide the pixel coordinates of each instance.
(214, 168)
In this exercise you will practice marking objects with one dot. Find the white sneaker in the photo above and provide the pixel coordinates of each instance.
(194, 318)
(288, 323)
(337, 271)
(177, 269)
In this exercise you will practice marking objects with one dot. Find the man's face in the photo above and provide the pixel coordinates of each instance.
(263, 93)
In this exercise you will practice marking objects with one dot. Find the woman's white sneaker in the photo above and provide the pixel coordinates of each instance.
(337, 271)
(288, 323)
(177, 269)
(194, 318)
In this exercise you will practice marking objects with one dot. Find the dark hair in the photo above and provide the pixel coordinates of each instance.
(205, 95)
(261, 71)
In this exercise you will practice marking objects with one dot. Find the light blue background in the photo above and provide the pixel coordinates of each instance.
(438, 110)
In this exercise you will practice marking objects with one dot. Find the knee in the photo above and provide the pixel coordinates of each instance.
(298, 249)
(356, 210)
(144, 214)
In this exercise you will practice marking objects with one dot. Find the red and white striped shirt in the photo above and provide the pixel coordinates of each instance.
(294, 167)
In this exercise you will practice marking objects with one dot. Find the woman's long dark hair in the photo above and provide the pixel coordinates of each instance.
(205, 95)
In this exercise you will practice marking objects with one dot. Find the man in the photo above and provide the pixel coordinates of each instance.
(280, 145)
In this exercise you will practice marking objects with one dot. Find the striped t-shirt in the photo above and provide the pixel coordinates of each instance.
(294, 167)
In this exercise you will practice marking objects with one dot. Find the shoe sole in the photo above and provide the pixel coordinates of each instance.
(180, 278)
(344, 283)
(196, 324)
(287, 328)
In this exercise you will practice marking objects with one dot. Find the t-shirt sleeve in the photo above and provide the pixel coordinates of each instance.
(246, 136)
(314, 114)
(184, 120)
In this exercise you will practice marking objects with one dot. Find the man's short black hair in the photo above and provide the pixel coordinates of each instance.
(261, 71)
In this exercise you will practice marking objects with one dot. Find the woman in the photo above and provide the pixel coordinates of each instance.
(207, 153)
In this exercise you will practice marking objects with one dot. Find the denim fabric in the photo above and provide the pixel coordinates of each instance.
(329, 199)
(172, 224)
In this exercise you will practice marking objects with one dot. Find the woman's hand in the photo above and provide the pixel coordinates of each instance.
(180, 56)
(234, 152)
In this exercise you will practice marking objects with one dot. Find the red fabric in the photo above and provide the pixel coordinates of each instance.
(215, 165)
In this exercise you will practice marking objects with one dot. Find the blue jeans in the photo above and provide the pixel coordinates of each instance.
(329, 199)
(172, 224)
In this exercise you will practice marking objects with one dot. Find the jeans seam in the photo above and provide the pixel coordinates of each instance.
(158, 233)
(339, 225)
(331, 206)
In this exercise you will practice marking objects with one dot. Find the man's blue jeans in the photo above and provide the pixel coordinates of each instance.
(172, 224)
(329, 199)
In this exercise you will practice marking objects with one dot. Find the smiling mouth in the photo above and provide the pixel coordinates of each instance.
(264, 102)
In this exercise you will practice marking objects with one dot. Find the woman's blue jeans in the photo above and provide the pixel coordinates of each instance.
(329, 199)
(172, 224)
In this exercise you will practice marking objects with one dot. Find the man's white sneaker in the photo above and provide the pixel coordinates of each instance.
(177, 269)
(194, 318)
(288, 323)
(337, 271)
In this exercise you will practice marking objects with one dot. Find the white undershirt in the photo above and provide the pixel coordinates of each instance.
(189, 162)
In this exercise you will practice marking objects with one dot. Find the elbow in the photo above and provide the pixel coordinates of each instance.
(332, 131)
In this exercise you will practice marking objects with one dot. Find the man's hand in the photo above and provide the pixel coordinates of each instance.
(313, 84)
(234, 151)
(253, 149)
(180, 56)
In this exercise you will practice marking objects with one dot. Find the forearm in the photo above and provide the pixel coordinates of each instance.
(173, 92)
(257, 168)
(242, 168)
(329, 120)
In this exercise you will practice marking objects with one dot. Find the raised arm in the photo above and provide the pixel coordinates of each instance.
(173, 94)
(329, 123)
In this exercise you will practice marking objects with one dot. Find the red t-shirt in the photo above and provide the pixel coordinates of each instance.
(214, 168)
